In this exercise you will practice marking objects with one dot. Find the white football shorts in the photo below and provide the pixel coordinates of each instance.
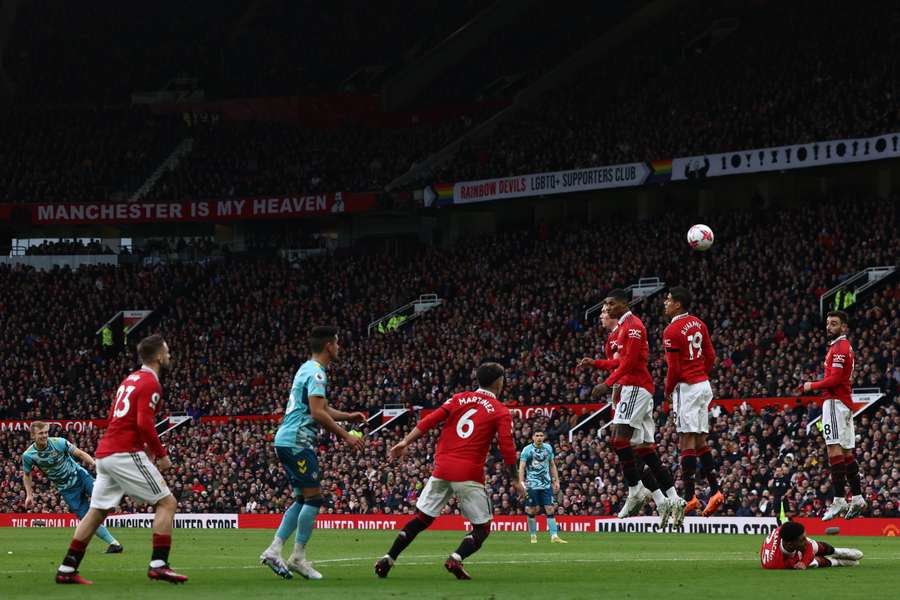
(634, 407)
(691, 403)
(474, 503)
(837, 424)
(131, 473)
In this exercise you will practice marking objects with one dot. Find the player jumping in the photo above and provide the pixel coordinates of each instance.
(56, 458)
(295, 444)
(689, 358)
(788, 548)
(124, 467)
(634, 433)
(472, 421)
(837, 419)
(537, 472)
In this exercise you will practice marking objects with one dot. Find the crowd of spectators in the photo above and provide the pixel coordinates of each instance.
(236, 327)
(68, 155)
(812, 70)
(763, 458)
(68, 247)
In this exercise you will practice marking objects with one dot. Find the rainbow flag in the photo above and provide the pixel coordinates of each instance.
(443, 195)
(662, 171)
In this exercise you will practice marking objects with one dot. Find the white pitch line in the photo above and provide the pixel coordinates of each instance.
(420, 563)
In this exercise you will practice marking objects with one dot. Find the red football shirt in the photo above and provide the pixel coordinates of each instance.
(634, 351)
(773, 556)
(689, 351)
(610, 349)
(838, 370)
(132, 417)
(472, 420)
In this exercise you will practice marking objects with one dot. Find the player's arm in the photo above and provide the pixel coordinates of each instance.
(522, 458)
(422, 427)
(629, 358)
(709, 353)
(554, 475)
(26, 481)
(673, 363)
(83, 456)
(318, 409)
(838, 375)
(146, 425)
(508, 452)
(339, 415)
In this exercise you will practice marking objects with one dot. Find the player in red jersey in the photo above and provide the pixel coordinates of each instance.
(634, 433)
(124, 465)
(837, 419)
(788, 548)
(689, 358)
(471, 420)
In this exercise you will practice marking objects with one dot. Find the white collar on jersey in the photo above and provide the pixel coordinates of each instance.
(681, 316)
(623, 317)
(149, 370)
(837, 339)
(484, 391)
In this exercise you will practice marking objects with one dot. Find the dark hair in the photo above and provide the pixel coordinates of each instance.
(682, 296)
(321, 335)
(845, 319)
(618, 294)
(488, 373)
(791, 531)
(149, 347)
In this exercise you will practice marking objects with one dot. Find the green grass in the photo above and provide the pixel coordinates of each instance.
(224, 564)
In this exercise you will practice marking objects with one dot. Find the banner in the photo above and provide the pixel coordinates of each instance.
(782, 158)
(232, 209)
(527, 412)
(76, 425)
(759, 526)
(561, 182)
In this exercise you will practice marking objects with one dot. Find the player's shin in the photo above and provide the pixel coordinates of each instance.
(472, 542)
(287, 527)
(650, 457)
(852, 470)
(838, 475)
(532, 524)
(688, 472)
(414, 527)
(625, 455)
(73, 557)
(305, 523)
(708, 468)
(162, 544)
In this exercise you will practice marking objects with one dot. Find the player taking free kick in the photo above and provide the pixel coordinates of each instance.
(125, 467)
(471, 420)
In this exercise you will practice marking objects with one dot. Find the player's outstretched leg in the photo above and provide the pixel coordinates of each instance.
(159, 568)
(306, 521)
(414, 527)
(271, 557)
(469, 546)
(665, 504)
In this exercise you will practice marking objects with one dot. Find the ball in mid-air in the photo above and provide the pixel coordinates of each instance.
(356, 433)
(700, 237)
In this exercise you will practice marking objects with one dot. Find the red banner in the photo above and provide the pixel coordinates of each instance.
(527, 412)
(77, 425)
(232, 209)
(380, 522)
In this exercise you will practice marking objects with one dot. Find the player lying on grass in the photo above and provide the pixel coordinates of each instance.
(471, 421)
(788, 548)
(56, 458)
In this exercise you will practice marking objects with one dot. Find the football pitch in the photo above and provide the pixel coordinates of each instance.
(224, 564)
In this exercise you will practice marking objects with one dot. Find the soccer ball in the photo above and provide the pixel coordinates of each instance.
(700, 237)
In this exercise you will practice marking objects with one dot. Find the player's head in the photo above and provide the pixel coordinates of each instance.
(616, 302)
(40, 432)
(793, 536)
(678, 301)
(607, 321)
(323, 343)
(538, 437)
(154, 352)
(836, 323)
(490, 377)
